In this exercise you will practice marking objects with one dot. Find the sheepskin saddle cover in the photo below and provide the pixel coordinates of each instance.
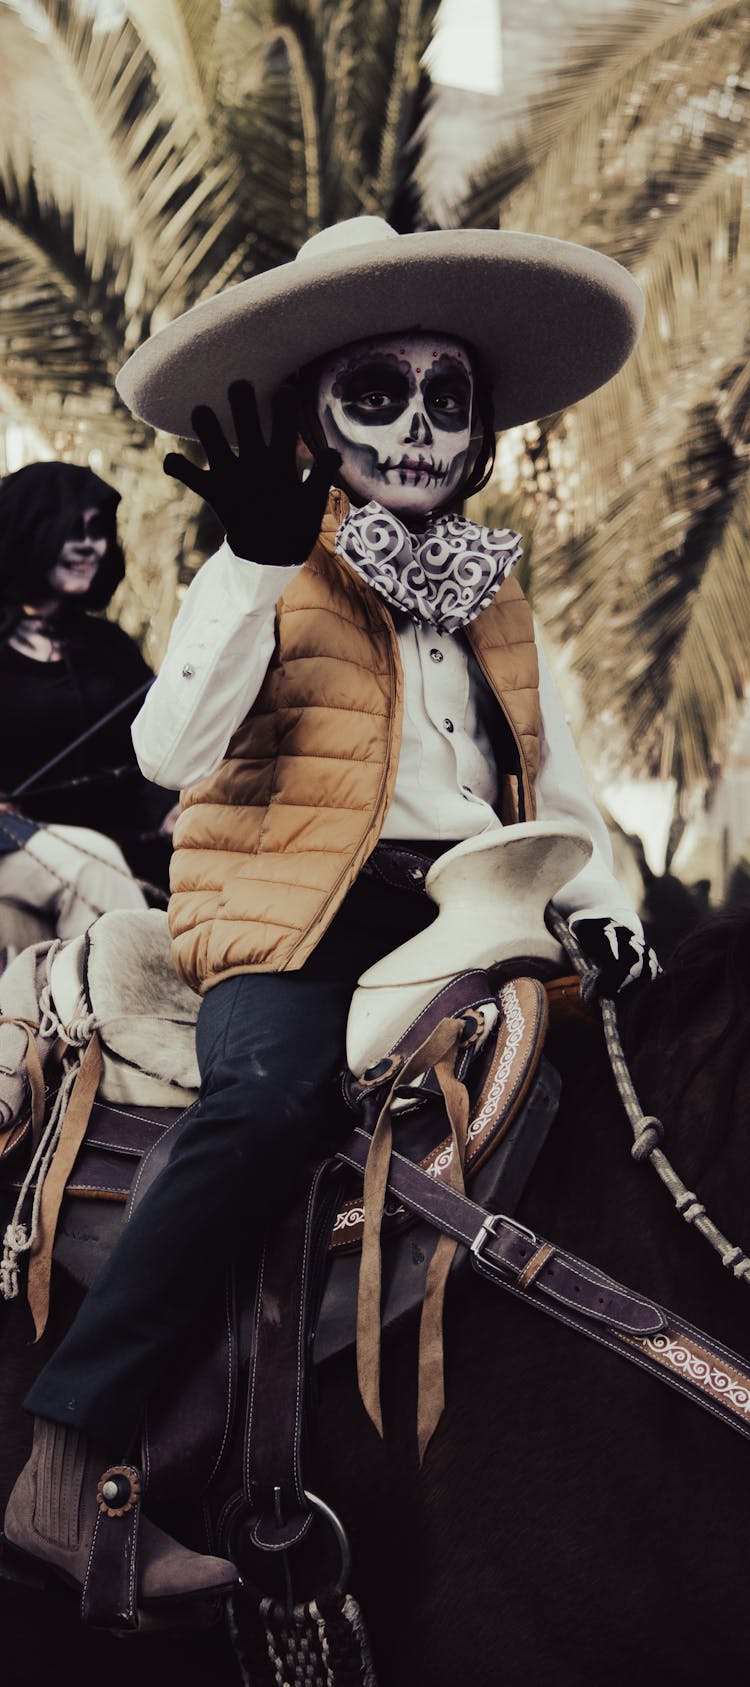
(120, 973)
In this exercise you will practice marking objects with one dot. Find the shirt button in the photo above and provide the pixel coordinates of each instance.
(467, 790)
(436, 655)
(187, 672)
(448, 724)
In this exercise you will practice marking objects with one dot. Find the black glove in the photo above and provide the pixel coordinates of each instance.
(622, 958)
(268, 513)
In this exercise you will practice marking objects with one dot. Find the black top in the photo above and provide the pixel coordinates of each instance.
(45, 705)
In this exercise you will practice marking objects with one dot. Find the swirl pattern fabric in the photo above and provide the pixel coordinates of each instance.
(445, 575)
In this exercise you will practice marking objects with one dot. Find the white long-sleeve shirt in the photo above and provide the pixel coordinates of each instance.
(446, 782)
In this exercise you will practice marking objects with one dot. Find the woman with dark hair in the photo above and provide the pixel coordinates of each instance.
(92, 817)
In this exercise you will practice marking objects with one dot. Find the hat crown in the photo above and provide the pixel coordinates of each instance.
(341, 237)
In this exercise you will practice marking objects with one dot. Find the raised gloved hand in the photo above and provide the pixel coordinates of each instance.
(622, 958)
(268, 513)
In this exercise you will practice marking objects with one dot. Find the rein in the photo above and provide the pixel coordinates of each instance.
(648, 1131)
(83, 738)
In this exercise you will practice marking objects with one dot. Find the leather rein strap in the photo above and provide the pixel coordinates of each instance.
(576, 1293)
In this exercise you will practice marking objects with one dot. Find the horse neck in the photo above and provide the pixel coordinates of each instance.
(587, 1192)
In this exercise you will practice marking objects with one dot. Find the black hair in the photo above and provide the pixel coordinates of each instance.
(39, 506)
(481, 463)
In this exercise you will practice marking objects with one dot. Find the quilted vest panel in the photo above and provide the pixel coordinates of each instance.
(268, 845)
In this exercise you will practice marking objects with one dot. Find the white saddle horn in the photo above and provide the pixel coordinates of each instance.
(491, 892)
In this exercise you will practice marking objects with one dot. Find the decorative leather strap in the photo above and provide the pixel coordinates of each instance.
(501, 1246)
(108, 1599)
(575, 1292)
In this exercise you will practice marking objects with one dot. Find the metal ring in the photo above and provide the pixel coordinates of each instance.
(342, 1539)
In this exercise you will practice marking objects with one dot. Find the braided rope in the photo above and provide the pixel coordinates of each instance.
(19, 1237)
(321, 1643)
(101, 861)
(156, 892)
(648, 1131)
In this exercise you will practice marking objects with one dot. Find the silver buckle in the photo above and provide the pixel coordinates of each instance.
(488, 1229)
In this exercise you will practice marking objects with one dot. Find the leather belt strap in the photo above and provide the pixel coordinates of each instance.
(575, 1292)
(501, 1245)
(400, 866)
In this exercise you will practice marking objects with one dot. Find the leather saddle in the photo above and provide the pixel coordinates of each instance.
(513, 1099)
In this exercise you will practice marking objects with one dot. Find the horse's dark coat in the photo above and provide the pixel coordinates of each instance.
(575, 1522)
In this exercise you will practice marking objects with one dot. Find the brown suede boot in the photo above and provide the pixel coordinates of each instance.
(52, 1512)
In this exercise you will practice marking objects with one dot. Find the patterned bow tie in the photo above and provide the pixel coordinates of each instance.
(445, 575)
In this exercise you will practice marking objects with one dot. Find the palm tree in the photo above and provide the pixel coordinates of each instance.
(195, 142)
(641, 496)
(184, 145)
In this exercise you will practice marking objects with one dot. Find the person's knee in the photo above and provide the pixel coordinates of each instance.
(91, 849)
(248, 1093)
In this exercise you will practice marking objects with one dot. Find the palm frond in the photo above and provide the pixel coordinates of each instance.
(708, 678)
(640, 149)
(180, 36)
(148, 185)
(399, 118)
(635, 95)
(638, 597)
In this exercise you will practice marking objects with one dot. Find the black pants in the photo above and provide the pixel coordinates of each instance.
(269, 1048)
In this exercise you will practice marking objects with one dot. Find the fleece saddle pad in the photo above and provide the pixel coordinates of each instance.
(120, 973)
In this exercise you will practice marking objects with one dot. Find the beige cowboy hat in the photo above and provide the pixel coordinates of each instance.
(551, 321)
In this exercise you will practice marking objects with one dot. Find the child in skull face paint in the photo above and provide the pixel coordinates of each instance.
(399, 410)
(350, 680)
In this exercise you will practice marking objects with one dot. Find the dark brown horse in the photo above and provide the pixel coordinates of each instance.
(575, 1521)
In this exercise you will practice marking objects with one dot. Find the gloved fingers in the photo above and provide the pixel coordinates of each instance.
(181, 468)
(244, 408)
(284, 429)
(321, 478)
(211, 434)
(620, 957)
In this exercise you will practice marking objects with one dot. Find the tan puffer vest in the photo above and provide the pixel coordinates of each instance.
(267, 847)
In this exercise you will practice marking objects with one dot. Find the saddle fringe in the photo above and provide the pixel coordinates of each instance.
(440, 1052)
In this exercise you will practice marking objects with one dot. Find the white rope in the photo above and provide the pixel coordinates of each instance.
(20, 1238)
(648, 1131)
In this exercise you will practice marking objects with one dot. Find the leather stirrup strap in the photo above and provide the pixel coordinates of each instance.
(77, 1115)
(272, 1475)
(109, 1596)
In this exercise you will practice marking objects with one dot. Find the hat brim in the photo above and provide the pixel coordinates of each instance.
(552, 321)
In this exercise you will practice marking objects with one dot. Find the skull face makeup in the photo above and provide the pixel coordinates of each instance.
(399, 409)
(80, 555)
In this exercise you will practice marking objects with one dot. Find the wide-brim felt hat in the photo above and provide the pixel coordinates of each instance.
(552, 321)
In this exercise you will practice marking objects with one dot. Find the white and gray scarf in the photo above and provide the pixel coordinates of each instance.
(445, 575)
